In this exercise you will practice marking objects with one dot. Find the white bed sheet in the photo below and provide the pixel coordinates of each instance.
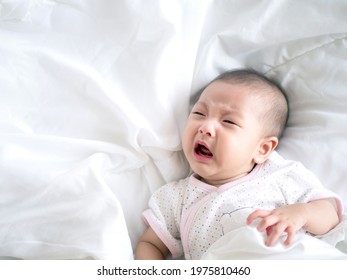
(247, 243)
(94, 97)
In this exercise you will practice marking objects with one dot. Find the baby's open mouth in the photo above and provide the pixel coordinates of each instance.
(202, 150)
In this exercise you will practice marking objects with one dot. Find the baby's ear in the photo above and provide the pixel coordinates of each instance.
(266, 146)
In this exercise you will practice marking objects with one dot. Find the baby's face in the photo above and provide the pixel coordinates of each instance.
(223, 133)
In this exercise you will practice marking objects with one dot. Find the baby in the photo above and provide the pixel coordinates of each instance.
(229, 141)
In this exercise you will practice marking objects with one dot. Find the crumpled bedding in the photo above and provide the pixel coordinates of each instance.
(246, 243)
(94, 97)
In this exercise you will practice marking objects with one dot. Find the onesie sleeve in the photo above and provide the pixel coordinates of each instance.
(300, 185)
(164, 218)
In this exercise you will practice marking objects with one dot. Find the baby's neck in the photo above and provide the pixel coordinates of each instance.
(222, 181)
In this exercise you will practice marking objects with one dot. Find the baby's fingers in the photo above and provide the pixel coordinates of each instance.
(257, 214)
(290, 236)
(267, 222)
(276, 232)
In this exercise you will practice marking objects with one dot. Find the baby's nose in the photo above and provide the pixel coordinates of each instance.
(208, 129)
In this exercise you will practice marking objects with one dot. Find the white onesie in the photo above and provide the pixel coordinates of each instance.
(190, 215)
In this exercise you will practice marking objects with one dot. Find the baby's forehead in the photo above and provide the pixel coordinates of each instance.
(240, 102)
(231, 86)
(230, 92)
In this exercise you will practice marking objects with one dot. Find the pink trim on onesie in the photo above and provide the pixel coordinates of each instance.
(338, 202)
(150, 221)
(189, 216)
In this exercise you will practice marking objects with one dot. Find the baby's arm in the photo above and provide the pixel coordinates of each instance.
(316, 217)
(151, 247)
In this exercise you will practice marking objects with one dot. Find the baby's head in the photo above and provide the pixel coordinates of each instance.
(235, 124)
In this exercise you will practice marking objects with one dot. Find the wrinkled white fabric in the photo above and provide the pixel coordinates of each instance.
(247, 243)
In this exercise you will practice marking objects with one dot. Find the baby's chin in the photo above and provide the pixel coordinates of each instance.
(216, 180)
(213, 180)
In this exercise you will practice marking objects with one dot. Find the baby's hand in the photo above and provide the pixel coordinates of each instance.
(288, 219)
